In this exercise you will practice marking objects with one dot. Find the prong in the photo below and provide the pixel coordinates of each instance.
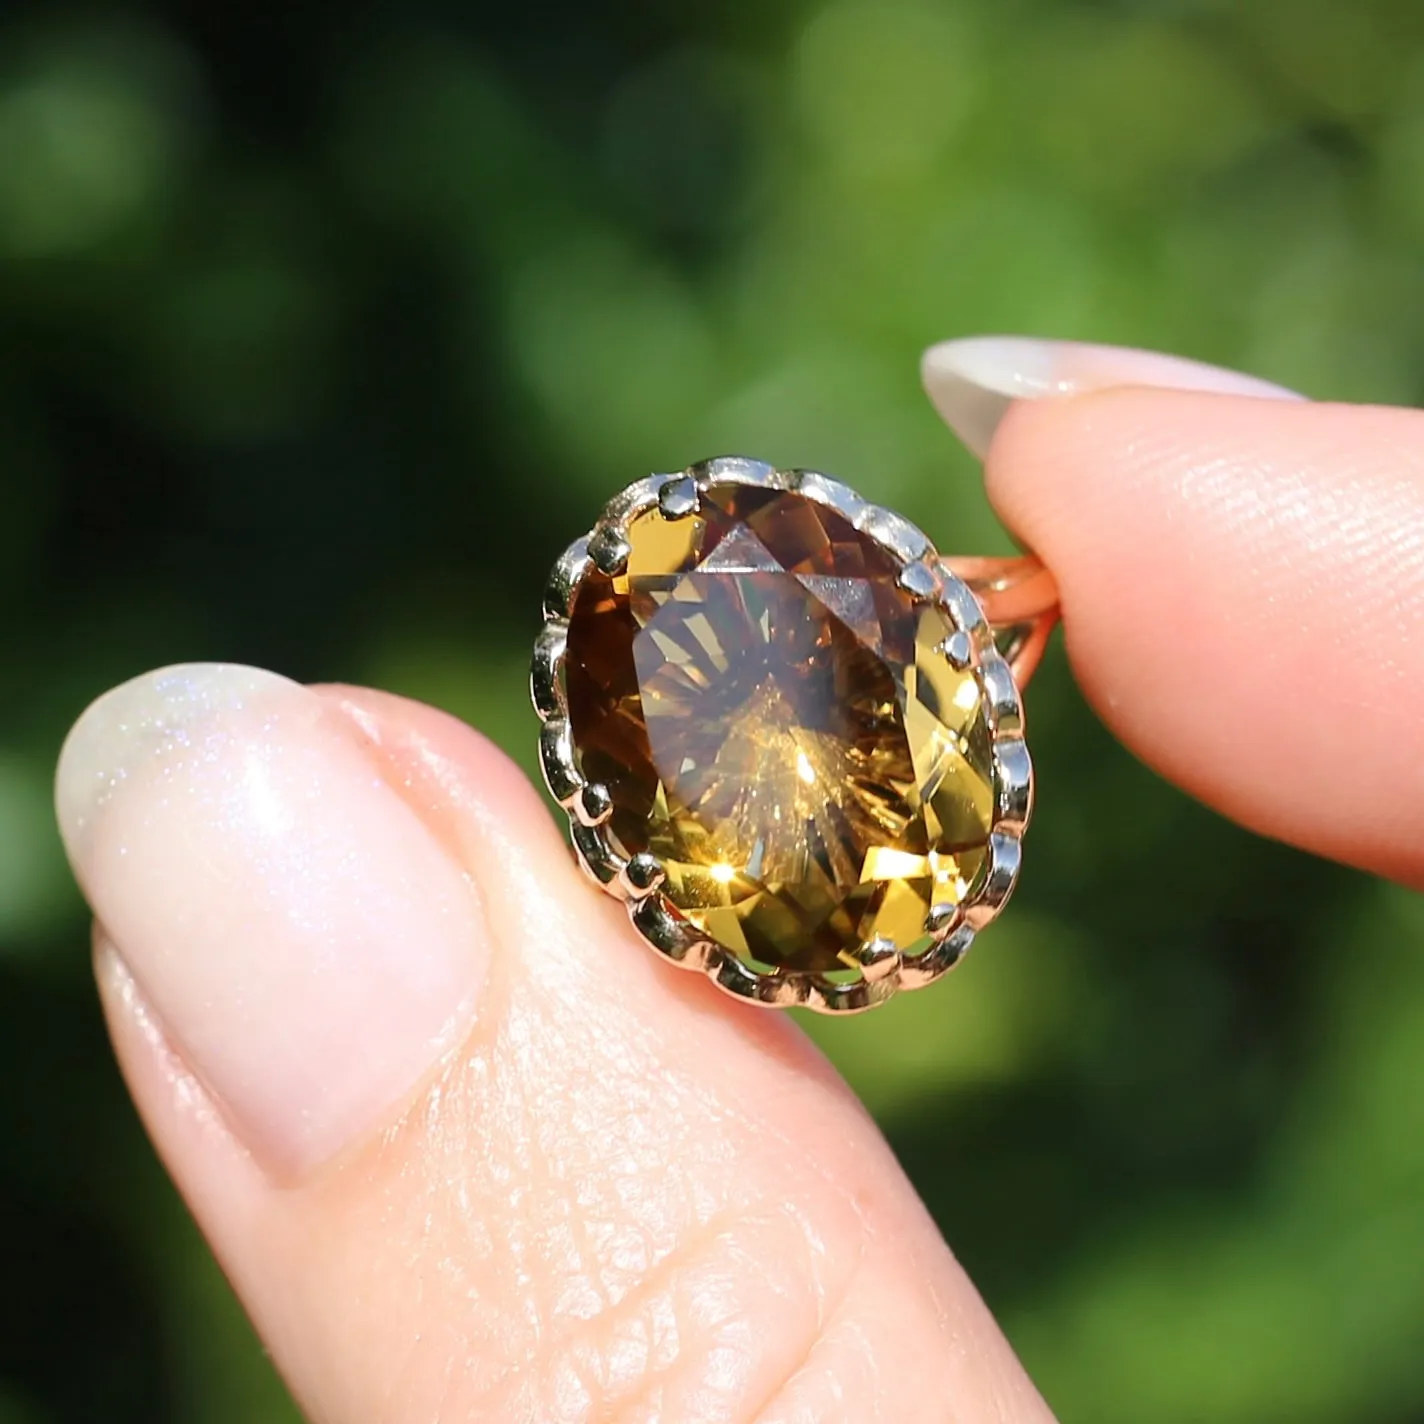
(642, 875)
(1013, 780)
(673, 936)
(832, 493)
(963, 606)
(545, 684)
(609, 551)
(938, 959)
(879, 960)
(678, 498)
(735, 469)
(824, 997)
(597, 857)
(556, 757)
(593, 805)
(919, 580)
(1005, 855)
(958, 650)
(940, 918)
(907, 541)
(571, 567)
(631, 501)
(1002, 694)
(782, 991)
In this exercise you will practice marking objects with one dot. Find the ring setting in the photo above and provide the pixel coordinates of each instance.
(787, 734)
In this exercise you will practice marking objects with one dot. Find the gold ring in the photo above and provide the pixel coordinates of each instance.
(787, 733)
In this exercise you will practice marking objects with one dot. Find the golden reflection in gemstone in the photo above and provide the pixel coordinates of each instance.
(777, 722)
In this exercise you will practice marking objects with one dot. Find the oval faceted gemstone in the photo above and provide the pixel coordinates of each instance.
(776, 721)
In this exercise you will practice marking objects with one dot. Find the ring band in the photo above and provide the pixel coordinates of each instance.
(787, 733)
(1019, 597)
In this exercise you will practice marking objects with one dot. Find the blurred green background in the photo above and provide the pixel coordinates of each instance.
(295, 301)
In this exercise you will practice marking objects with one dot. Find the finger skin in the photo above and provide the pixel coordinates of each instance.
(624, 1198)
(1242, 586)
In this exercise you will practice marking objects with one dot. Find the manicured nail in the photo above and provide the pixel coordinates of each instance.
(309, 945)
(973, 381)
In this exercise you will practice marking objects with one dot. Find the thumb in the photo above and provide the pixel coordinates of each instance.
(466, 1150)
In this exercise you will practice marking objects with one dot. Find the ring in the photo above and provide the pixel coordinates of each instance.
(787, 733)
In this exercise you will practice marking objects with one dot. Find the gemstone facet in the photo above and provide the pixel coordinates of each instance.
(791, 732)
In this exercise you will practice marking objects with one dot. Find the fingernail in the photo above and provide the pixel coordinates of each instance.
(309, 945)
(973, 381)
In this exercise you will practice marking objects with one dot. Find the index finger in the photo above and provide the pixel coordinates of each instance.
(1242, 579)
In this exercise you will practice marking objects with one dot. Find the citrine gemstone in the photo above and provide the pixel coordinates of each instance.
(776, 720)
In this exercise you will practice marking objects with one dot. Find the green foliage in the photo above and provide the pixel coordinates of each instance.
(289, 312)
